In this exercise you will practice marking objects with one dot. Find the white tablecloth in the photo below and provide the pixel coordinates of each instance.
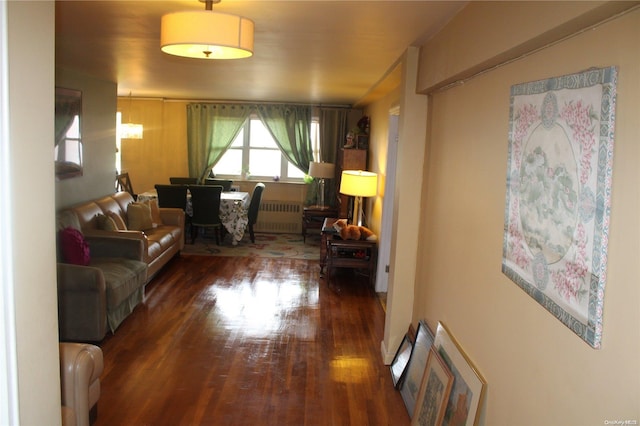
(233, 210)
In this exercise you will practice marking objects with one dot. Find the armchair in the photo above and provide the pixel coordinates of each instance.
(80, 368)
(98, 297)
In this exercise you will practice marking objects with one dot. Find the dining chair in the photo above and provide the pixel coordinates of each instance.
(205, 202)
(254, 207)
(172, 196)
(123, 183)
(226, 184)
(183, 180)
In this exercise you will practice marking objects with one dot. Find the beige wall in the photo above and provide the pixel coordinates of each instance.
(538, 371)
(29, 271)
(162, 152)
(98, 139)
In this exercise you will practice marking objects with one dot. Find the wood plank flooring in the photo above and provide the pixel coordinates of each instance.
(249, 341)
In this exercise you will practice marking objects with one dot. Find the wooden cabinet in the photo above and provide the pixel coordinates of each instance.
(348, 159)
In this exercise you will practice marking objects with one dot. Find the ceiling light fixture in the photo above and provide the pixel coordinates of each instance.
(131, 130)
(205, 34)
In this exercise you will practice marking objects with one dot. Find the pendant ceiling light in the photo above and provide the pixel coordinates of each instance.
(131, 130)
(205, 34)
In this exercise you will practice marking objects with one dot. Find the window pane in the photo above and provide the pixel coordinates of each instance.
(264, 162)
(260, 136)
(238, 141)
(293, 171)
(230, 163)
(74, 130)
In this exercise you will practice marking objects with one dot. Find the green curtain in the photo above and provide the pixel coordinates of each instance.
(290, 127)
(211, 128)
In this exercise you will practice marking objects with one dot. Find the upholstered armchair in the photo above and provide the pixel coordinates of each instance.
(80, 368)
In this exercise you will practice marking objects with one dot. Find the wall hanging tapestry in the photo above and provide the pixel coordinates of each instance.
(558, 194)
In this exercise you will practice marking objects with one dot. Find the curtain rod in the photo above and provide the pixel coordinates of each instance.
(210, 101)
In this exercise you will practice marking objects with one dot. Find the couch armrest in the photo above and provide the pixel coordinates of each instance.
(82, 303)
(129, 235)
(80, 368)
(116, 246)
(172, 216)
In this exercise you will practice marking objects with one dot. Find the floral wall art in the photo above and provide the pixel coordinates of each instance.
(558, 194)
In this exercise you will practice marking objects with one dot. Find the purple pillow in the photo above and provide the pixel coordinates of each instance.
(75, 249)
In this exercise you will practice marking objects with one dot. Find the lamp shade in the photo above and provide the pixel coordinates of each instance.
(359, 183)
(322, 170)
(206, 34)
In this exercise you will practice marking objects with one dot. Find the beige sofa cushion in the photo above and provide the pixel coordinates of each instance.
(139, 217)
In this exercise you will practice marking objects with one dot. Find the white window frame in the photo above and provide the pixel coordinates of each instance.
(284, 163)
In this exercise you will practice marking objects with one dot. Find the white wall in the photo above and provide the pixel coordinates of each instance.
(31, 96)
(538, 371)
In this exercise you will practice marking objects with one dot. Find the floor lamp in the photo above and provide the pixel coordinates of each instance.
(321, 171)
(358, 184)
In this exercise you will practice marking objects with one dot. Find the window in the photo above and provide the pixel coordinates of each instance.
(255, 153)
(118, 143)
(68, 152)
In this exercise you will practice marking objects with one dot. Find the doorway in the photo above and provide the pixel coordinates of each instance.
(384, 253)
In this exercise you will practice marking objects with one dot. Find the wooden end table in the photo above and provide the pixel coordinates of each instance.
(354, 254)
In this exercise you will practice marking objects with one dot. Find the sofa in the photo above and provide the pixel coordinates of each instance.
(163, 240)
(80, 368)
(103, 269)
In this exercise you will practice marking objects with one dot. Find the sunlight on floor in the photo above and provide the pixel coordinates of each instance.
(267, 308)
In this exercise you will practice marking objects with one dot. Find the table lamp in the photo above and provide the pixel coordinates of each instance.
(321, 171)
(358, 184)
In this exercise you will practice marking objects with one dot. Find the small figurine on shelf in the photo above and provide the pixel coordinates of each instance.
(350, 140)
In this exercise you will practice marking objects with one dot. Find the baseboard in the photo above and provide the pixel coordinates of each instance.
(387, 357)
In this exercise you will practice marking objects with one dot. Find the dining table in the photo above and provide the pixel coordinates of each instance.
(234, 208)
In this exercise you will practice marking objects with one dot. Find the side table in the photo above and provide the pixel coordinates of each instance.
(314, 216)
(353, 254)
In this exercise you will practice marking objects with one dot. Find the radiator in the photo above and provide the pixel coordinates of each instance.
(279, 217)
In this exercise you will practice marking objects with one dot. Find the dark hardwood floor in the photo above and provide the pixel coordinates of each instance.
(249, 341)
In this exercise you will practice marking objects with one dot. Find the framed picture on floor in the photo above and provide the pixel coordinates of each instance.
(400, 360)
(410, 385)
(463, 406)
(434, 392)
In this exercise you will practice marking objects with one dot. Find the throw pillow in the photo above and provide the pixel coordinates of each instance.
(118, 220)
(65, 219)
(75, 249)
(139, 216)
(105, 223)
(155, 211)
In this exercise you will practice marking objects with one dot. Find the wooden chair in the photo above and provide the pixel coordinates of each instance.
(226, 184)
(254, 207)
(123, 183)
(205, 202)
(183, 180)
